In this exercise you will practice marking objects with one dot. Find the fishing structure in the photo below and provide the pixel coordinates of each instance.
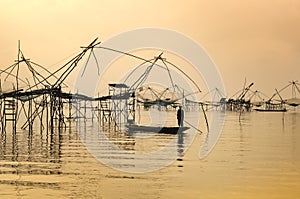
(248, 99)
(127, 99)
(279, 104)
(38, 98)
(216, 101)
(240, 103)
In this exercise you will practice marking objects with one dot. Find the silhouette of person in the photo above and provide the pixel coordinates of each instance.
(180, 116)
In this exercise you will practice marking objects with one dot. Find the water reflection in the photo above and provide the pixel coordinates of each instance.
(180, 145)
(254, 154)
(3, 145)
(31, 146)
(133, 151)
(15, 147)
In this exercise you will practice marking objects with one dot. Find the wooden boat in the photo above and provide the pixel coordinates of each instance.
(156, 129)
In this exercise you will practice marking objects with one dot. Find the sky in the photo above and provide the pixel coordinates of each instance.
(256, 40)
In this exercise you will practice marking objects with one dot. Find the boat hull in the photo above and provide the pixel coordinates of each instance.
(271, 110)
(154, 129)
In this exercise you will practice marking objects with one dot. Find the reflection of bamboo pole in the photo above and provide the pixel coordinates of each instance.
(51, 113)
(15, 115)
(85, 118)
(92, 111)
(60, 111)
(1, 113)
(42, 114)
(29, 119)
(98, 111)
(47, 116)
(70, 108)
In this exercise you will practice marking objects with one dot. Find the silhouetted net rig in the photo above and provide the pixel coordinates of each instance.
(31, 91)
(248, 99)
(30, 95)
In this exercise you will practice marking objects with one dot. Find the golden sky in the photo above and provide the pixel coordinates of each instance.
(257, 40)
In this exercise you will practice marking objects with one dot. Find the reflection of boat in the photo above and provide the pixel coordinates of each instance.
(157, 129)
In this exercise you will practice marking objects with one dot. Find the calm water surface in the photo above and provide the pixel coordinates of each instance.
(257, 156)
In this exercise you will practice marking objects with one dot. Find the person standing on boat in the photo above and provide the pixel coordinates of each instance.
(180, 116)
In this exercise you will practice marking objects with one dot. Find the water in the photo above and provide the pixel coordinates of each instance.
(257, 156)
